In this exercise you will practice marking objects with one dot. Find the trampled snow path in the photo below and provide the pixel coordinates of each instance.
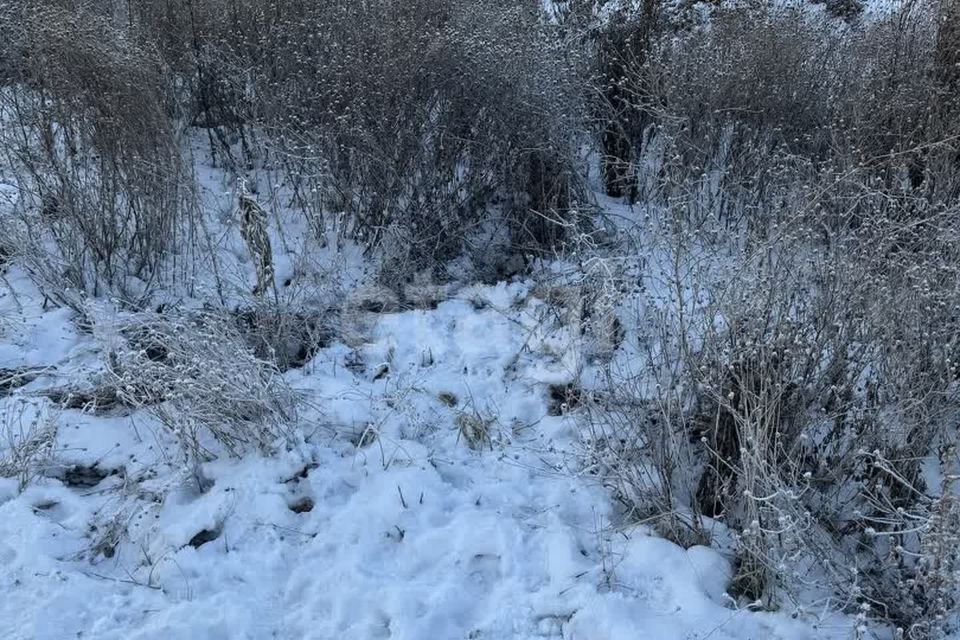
(413, 535)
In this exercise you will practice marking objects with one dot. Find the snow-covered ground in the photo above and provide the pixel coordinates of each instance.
(382, 521)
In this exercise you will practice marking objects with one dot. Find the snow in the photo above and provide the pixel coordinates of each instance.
(413, 534)
(31, 336)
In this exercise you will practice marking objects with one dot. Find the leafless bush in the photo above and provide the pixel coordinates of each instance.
(404, 122)
(201, 380)
(791, 391)
(717, 102)
(798, 378)
(103, 193)
(27, 435)
(407, 126)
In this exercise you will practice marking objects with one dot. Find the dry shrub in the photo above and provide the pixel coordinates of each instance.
(419, 129)
(103, 192)
(27, 436)
(720, 102)
(404, 123)
(792, 392)
(197, 375)
(798, 382)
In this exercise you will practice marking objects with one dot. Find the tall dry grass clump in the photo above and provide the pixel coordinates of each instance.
(85, 122)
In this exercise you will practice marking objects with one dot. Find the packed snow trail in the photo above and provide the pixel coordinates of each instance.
(385, 520)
